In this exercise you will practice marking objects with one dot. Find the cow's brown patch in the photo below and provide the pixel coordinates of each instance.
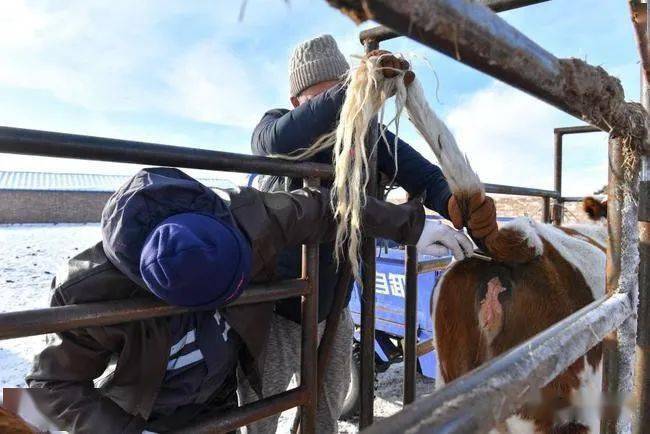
(540, 292)
(510, 246)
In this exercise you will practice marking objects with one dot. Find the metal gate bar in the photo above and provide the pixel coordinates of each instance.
(52, 144)
(519, 191)
(381, 33)
(642, 366)
(61, 318)
(368, 253)
(558, 135)
(411, 314)
(618, 348)
(309, 342)
(472, 34)
(240, 416)
(55, 319)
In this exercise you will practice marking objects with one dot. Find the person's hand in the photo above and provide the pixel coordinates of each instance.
(393, 65)
(437, 238)
(482, 222)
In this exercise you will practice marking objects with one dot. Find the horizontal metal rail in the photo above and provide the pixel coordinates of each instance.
(577, 129)
(519, 191)
(506, 5)
(52, 144)
(233, 419)
(571, 199)
(61, 318)
(381, 33)
(497, 389)
(474, 35)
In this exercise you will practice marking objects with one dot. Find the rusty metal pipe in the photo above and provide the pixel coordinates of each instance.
(546, 210)
(368, 254)
(557, 178)
(411, 313)
(474, 35)
(577, 129)
(617, 360)
(51, 144)
(241, 416)
(57, 319)
(519, 191)
(309, 342)
(642, 367)
(381, 33)
(611, 353)
(572, 199)
(507, 5)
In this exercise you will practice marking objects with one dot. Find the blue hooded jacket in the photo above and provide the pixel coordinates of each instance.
(282, 131)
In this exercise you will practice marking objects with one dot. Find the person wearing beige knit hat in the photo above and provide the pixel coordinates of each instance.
(315, 66)
(317, 69)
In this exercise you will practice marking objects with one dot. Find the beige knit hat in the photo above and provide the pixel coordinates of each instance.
(315, 61)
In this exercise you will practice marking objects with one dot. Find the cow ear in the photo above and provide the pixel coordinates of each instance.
(594, 208)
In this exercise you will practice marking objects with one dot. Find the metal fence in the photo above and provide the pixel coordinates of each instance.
(471, 34)
(57, 319)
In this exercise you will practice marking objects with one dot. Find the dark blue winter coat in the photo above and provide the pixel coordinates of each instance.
(282, 131)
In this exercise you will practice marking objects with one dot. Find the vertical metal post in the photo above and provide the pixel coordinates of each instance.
(642, 369)
(366, 407)
(309, 343)
(610, 343)
(642, 366)
(618, 346)
(546, 210)
(410, 338)
(557, 171)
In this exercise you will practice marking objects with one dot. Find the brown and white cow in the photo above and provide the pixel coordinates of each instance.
(542, 274)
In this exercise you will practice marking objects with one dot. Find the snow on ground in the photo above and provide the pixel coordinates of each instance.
(30, 256)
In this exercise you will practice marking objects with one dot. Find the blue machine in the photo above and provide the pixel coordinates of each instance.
(389, 314)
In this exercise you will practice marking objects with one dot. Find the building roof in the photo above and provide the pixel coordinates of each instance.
(77, 181)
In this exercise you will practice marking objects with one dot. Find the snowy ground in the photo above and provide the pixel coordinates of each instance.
(29, 258)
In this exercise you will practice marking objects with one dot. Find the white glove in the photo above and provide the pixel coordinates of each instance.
(437, 237)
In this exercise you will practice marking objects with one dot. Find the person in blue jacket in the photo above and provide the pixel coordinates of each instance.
(317, 92)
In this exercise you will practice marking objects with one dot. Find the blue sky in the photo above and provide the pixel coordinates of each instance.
(189, 73)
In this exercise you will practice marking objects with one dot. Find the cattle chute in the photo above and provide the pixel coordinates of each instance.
(471, 34)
